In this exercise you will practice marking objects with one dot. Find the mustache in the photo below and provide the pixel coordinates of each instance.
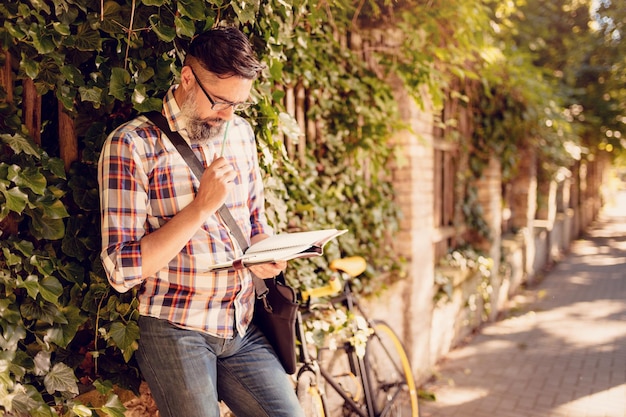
(215, 122)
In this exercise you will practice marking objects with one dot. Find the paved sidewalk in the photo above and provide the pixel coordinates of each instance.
(562, 352)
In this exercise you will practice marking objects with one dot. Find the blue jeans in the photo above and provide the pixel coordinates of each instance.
(188, 372)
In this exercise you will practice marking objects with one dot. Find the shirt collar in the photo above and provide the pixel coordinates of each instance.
(172, 112)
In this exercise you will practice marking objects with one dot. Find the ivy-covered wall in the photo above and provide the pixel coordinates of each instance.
(329, 123)
(97, 64)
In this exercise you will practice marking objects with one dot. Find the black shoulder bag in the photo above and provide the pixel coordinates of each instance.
(276, 306)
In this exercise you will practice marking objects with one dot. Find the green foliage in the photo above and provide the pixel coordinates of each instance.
(468, 261)
(63, 329)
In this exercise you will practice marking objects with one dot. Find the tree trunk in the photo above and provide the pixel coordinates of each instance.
(32, 110)
(68, 142)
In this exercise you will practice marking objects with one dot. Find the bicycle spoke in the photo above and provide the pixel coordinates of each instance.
(390, 376)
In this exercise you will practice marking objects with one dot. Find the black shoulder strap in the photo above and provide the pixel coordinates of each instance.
(179, 143)
(196, 166)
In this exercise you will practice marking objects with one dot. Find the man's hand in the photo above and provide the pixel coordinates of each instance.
(159, 247)
(268, 270)
(215, 184)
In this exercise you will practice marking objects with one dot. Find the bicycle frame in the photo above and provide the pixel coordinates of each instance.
(357, 364)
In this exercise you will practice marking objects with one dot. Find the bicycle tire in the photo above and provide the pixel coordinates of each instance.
(389, 372)
(309, 395)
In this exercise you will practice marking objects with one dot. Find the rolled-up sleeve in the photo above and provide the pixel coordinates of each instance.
(123, 186)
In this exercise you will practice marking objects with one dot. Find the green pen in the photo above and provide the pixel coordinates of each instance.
(224, 140)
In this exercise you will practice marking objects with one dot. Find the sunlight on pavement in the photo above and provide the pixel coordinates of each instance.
(604, 260)
(460, 396)
(563, 323)
(599, 404)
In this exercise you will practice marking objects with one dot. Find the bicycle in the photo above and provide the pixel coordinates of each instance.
(376, 381)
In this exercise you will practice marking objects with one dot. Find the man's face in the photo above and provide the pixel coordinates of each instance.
(200, 130)
(209, 103)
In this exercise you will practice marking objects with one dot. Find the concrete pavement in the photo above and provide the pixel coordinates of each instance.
(561, 349)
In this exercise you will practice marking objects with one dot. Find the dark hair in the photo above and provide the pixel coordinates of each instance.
(225, 51)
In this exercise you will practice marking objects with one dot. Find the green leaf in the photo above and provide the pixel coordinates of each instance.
(11, 259)
(62, 28)
(67, 323)
(44, 264)
(15, 200)
(10, 284)
(42, 362)
(30, 67)
(46, 228)
(184, 27)
(33, 310)
(32, 178)
(289, 126)
(81, 410)
(28, 401)
(164, 32)
(50, 289)
(53, 208)
(72, 75)
(87, 39)
(25, 247)
(54, 165)
(15, 31)
(66, 96)
(192, 9)
(93, 94)
(276, 69)
(150, 104)
(11, 335)
(157, 3)
(20, 144)
(104, 387)
(246, 10)
(31, 284)
(114, 407)
(139, 94)
(61, 379)
(120, 80)
(72, 272)
(73, 246)
(43, 41)
(40, 6)
(125, 337)
(144, 75)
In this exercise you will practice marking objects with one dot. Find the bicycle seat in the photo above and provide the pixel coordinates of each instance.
(352, 265)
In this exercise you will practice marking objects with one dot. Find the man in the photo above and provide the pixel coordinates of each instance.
(160, 230)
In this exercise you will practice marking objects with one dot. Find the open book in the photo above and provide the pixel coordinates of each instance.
(284, 247)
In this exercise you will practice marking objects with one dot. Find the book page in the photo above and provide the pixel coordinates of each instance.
(284, 254)
(292, 240)
(285, 247)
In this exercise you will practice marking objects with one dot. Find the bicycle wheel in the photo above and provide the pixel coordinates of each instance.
(309, 395)
(342, 383)
(390, 376)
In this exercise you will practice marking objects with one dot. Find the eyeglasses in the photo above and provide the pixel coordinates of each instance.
(221, 105)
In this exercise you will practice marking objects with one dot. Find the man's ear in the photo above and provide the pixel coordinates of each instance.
(186, 77)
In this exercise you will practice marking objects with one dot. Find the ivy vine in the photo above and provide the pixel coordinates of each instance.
(63, 330)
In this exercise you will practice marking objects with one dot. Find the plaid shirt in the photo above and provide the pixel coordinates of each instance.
(144, 182)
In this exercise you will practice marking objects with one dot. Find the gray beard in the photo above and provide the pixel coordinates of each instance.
(199, 130)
